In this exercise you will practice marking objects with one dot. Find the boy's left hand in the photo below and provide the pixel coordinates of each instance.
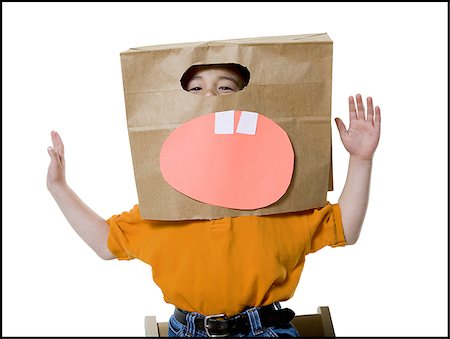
(361, 138)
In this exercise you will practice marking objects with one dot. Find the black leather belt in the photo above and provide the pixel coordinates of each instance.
(222, 326)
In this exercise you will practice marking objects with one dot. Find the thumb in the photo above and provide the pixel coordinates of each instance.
(53, 155)
(340, 126)
(50, 151)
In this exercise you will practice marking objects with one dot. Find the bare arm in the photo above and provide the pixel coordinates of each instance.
(360, 140)
(90, 227)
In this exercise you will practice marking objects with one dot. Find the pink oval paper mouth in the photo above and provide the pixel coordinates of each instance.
(234, 169)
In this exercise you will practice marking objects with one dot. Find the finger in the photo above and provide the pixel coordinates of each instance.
(340, 126)
(54, 140)
(377, 121)
(352, 108)
(370, 110)
(359, 103)
(57, 143)
(62, 157)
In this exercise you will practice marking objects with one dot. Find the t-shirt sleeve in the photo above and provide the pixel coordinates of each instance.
(122, 228)
(325, 228)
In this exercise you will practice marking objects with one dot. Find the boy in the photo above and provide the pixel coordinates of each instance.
(227, 276)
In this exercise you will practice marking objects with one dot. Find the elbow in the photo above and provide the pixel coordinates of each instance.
(111, 257)
(351, 240)
(107, 257)
(351, 235)
(105, 254)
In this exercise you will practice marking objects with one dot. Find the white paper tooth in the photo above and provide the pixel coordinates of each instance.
(224, 122)
(247, 123)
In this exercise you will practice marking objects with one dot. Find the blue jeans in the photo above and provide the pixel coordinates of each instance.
(177, 329)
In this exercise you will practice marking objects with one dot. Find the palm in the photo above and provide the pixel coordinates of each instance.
(361, 138)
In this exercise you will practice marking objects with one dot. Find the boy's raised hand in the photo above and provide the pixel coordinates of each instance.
(56, 170)
(361, 138)
(92, 228)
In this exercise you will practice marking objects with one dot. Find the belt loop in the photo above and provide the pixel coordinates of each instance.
(255, 321)
(190, 320)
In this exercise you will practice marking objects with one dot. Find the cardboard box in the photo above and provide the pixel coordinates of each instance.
(290, 85)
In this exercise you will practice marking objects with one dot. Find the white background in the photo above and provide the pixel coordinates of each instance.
(61, 70)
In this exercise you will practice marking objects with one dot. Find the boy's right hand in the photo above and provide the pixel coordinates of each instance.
(56, 175)
(92, 228)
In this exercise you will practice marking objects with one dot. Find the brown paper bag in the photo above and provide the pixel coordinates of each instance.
(290, 83)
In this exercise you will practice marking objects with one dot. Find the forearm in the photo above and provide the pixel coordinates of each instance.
(87, 224)
(355, 197)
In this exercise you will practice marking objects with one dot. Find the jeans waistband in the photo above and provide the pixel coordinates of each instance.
(251, 320)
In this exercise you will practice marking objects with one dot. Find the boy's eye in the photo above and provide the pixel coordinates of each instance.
(226, 88)
(195, 89)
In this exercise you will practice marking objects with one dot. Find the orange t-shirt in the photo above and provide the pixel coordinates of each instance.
(224, 265)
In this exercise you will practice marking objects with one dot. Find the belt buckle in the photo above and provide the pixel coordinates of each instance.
(207, 325)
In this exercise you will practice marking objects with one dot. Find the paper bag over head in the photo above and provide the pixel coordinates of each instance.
(263, 150)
